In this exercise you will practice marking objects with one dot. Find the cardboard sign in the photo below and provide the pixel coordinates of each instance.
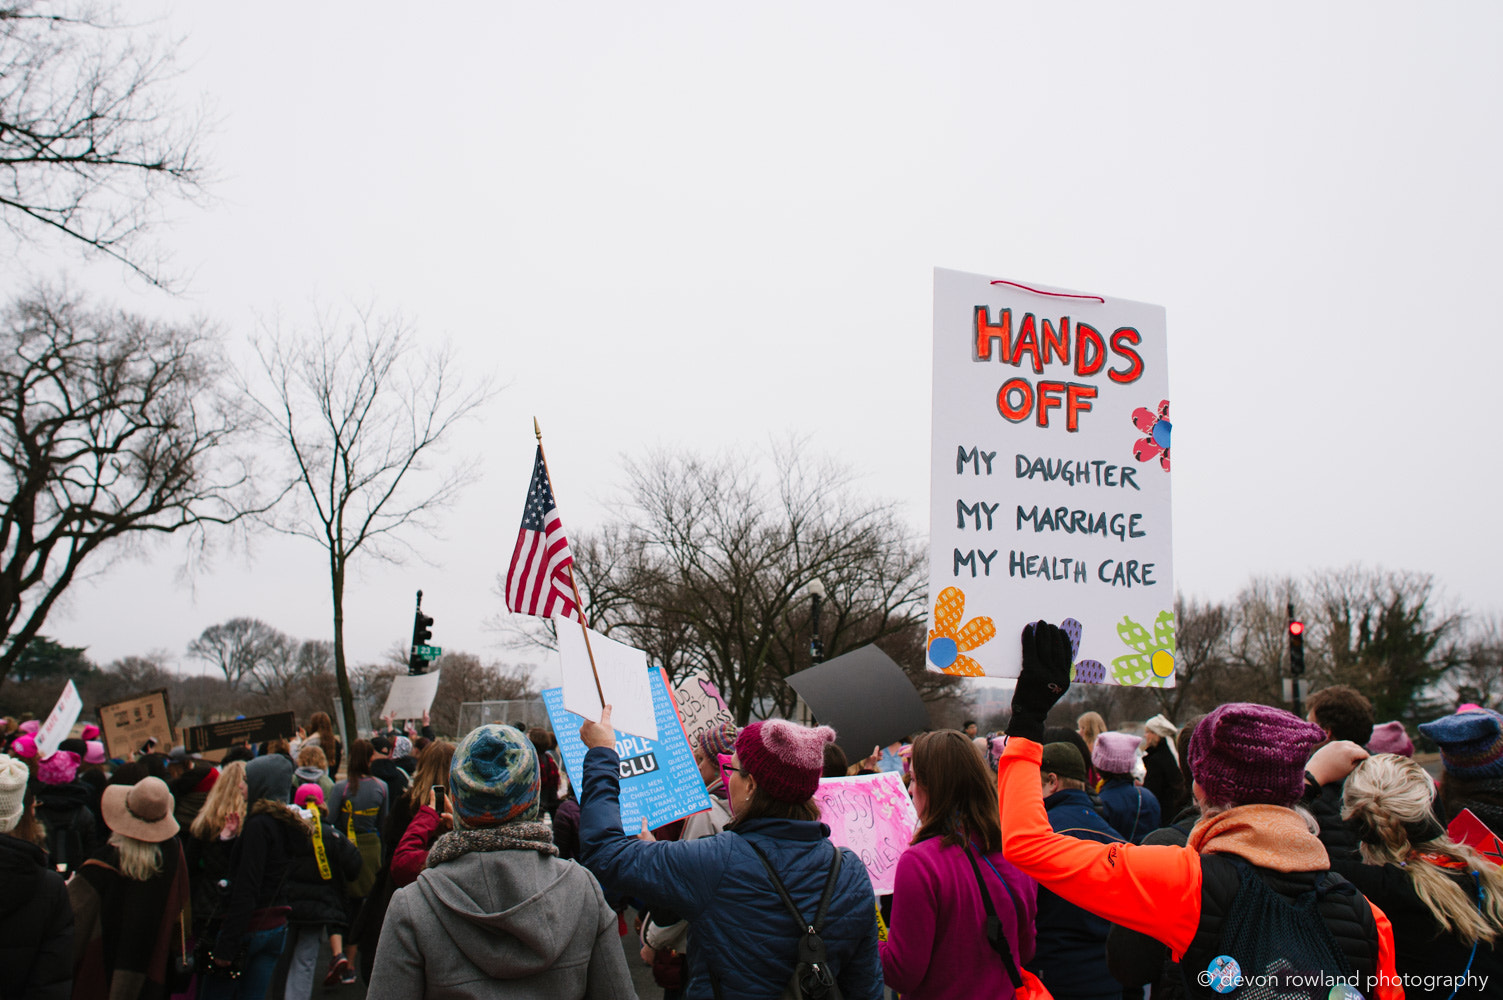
(659, 779)
(623, 673)
(59, 721)
(234, 732)
(1049, 481)
(1467, 829)
(126, 725)
(700, 706)
(411, 696)
(873, 816)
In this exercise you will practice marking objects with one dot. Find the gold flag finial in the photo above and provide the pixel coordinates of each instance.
(537, 430)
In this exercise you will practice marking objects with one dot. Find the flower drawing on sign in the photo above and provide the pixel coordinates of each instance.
(1157, 427)
(1152, 661)
(1084, 671)
(948, 644)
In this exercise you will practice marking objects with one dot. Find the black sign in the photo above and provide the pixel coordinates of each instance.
(234, 732)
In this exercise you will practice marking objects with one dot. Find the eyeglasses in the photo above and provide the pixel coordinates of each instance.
(739, 770)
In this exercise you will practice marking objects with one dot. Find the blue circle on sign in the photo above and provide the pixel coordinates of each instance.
(942, 651)
(1225, 973)
(1161, 432)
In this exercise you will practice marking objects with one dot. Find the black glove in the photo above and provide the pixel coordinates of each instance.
(1044, 680)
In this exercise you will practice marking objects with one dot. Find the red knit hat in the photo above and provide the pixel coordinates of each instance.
(785, 758)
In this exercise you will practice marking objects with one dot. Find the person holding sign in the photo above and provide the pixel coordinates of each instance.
(746, 942)
(937, 944)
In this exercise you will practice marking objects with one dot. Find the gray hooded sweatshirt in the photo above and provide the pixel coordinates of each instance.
(514, 923)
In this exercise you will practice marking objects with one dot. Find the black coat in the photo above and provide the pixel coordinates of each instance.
(36, 925)
(396, 779)
(71, 834)
(1163, 778)
(209, 870)
(315, 900)
(259, 863)
(1341, 838)
(1070, 956)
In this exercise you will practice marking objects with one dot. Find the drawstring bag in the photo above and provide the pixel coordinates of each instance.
(1280, 948)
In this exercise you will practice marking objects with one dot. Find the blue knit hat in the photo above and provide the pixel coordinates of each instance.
(494, 778)
(1471, 743)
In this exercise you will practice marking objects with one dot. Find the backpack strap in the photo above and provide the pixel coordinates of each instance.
(824, 900)
(994, 935)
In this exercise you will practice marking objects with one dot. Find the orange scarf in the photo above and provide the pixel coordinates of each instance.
(1267, 836)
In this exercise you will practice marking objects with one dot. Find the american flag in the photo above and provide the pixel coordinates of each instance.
(539, 581)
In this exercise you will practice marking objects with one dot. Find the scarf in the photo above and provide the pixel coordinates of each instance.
(519, 835)
(1272, 837)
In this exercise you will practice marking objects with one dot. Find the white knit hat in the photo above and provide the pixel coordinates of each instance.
(13, 775)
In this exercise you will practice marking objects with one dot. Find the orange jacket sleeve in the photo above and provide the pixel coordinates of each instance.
(1152, 889)
(1389, 987)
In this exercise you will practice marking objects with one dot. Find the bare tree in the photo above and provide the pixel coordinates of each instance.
(113, 428)
(1478, 677)
(242, 649)
(710, 566)
(92, 147)
(360, 411)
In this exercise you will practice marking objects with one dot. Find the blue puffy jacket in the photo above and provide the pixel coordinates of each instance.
(1130, 808)
(739, 928)
(1070, 956)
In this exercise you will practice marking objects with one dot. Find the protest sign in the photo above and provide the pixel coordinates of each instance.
(127, 725)
(659, 778)
(234, 732)
(699, 703)
(59, 721)
(1467, 829)
(1049, 481)
(410, 696)
(865, 696)
(873, 816)
(623, 674)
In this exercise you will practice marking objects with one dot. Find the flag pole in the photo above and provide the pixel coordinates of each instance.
(578, 603)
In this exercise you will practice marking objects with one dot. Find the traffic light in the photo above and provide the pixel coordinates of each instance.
(1296, 647)
(418, 662)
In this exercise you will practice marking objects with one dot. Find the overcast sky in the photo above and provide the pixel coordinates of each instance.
(698, 226)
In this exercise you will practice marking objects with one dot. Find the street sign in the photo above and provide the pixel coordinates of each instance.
(427, 652)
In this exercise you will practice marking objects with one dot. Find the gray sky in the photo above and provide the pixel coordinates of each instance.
(697, 226)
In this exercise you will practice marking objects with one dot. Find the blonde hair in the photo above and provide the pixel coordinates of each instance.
(139, 861)
(1389, 799)
(1091, 725)
(312, 756)
(225, 799)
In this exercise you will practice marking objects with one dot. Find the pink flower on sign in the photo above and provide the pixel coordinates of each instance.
(1158, 428)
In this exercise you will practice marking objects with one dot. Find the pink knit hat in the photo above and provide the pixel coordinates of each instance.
(59, 769)
(1391, 737)
(1243, 753)
(95, 754)
(786, 759)
(24, 746)
(1114, 752)
(90, 732)
(30, 727)
(306, 791)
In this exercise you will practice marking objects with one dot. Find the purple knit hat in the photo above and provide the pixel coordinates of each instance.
(1114, 752)
(1390, 737)
(1245, 753)
(785, 758)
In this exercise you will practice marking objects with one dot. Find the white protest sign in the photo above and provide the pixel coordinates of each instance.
(59, 721)
(699, 703)
(410, 696)
(623, 677)
(1049, 480)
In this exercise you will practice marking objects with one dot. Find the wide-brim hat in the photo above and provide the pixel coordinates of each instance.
(142, 811)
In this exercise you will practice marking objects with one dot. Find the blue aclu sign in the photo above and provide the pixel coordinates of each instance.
(659, 778)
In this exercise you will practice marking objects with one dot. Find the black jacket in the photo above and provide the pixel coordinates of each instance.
(1070, 956)
(314, 899)
(259, 864)
(1163, 778)
(396, 779)
(71, 835)
(209, 867)
(1341, 839)
(36, 925)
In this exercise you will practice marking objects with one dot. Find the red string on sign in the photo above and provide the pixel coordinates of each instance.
(1057, 295)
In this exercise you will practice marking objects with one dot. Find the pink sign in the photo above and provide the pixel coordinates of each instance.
(873, 816)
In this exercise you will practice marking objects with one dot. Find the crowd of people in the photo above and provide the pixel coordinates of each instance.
(1246, 852)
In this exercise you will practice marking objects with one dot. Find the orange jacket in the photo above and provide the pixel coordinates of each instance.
(1154, 889)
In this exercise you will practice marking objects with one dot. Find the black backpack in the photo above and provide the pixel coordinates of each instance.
(812, 978)
(1274, 948)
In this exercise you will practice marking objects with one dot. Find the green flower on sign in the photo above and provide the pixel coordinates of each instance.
(1153, 663)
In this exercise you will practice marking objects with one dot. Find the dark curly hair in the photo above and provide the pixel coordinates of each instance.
(1344, 712)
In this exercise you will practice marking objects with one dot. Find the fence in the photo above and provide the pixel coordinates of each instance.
(474, 714)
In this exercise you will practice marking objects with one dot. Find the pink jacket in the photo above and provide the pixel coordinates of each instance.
(412, 849)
